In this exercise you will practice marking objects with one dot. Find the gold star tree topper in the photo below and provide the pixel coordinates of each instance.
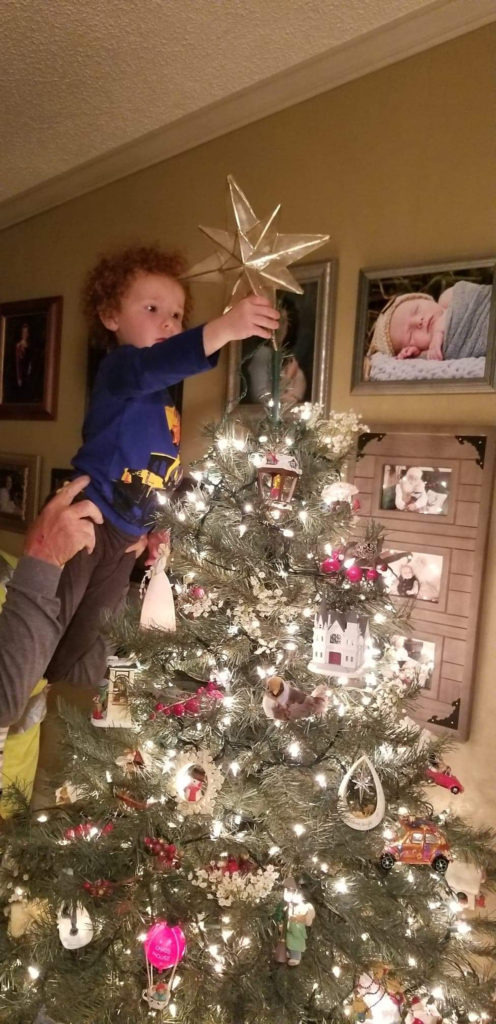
(253, 257)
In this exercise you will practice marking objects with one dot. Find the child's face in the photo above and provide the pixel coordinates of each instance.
(413, 323)
(414, 477)
(152, 309)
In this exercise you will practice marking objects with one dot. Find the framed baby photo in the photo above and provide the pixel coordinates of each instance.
(428, 328)
(19, 490)
(305, 336)
(432, 492)
(29, 358)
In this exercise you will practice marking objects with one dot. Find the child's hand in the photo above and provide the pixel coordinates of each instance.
(408, 352)
(251, 316)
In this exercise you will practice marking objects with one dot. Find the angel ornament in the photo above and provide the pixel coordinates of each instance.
(157, 610)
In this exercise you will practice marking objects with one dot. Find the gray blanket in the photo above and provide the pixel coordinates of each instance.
(467, 321)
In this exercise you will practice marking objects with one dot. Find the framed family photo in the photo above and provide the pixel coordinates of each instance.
(305, 336)
(432, 492)
(19, 490)
(427, 328)
(29, 358)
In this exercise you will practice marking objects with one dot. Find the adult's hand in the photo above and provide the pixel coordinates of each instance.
(62, 529)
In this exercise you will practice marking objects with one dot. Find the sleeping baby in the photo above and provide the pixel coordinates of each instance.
(454, 327)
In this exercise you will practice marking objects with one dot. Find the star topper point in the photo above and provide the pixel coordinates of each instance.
(253, 257)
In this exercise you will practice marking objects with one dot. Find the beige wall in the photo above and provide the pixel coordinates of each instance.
(398, 167)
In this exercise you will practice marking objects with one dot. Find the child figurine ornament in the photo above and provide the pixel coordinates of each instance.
(293, 917)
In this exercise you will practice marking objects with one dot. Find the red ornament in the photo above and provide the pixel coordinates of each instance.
(190, 705)
(86, 830)
(354, 573)
(102, 887)
(372, 575)
(330, 565)
(166, 853)
(197, 593)
(355, 504)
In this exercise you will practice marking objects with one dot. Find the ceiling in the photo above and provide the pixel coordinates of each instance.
(95, 89)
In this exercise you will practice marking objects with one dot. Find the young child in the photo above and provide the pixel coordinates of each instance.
(131, 432)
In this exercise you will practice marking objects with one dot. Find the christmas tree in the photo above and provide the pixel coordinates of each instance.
(227, 846)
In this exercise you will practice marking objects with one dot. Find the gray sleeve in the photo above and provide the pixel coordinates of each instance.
(29, 633)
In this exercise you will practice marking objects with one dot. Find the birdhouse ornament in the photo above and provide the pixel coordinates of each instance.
(277, 476)
(340, 641)
(111, 708)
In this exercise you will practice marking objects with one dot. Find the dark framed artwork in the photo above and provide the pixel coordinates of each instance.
(19, 490)
(30, 333)
(439, 572)
(306, 337)
(427, 328)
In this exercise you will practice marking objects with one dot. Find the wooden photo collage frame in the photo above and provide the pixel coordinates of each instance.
(432, 492)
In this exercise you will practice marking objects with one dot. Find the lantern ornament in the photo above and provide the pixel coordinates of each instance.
(164, 948)
(277, 477)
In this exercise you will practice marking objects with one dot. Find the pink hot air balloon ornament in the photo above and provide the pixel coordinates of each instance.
(164, 947)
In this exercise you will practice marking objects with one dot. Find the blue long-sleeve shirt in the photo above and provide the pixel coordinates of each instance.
(131, 432)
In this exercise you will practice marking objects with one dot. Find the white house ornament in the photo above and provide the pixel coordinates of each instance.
(157, 609)
(196, 782)
(253, 257)
(277, 476)
(340, 642)
(75, 926)
(286, 703)
(361, 800)
(111, 710)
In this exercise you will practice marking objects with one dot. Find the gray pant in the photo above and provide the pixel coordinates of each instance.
(90, 586)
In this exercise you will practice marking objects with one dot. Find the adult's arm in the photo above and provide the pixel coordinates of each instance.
(29, 630)
(29, 633)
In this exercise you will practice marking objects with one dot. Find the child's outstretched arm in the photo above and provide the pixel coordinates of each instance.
(130, 371)
(251, 316)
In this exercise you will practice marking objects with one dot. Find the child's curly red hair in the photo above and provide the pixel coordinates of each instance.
(110, 278)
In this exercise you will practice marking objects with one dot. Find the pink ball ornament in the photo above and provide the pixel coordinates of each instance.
(372, 575)
(164, 946)
(354, 573)
(197, 593)
(330, 565)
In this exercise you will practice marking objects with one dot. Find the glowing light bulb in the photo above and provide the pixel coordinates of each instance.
(364, 936)
(321, 780)
(341, 885)
(222, 443)
(336, 971)
(299, 830)
(379, 617)
(294, 749)
(437, 992)
(242, 528)
(234, 768)
(34, 972)
(273, 850)
(42, 817)
(412, 961)
(248, 507)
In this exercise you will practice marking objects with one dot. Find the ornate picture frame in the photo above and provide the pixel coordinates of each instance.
(30, 332)
(309, 324)
(19, 490)
(439, 582)
(452, 348)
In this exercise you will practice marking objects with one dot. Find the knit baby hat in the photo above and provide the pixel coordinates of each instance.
(380, 340)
